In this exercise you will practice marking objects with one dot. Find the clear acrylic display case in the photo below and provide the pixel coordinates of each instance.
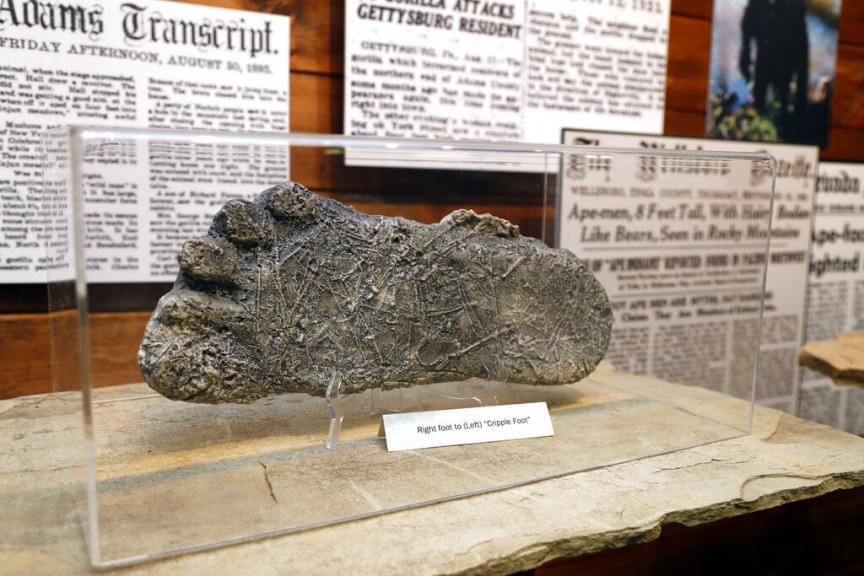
(163, 477)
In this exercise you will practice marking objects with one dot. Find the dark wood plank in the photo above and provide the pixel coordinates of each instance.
(31, 364)
(115, 341)
(25, 355)
(687, 65)
(818, 536)
(847, 108)
(684, 123)
(701, 9)
(317, 33)
(39, 353)
(846, 145)
(316, 103)
(852, 22)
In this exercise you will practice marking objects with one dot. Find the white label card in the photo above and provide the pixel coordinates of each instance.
(416, 430)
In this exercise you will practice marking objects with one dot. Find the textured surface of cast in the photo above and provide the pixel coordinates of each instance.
(289, 290)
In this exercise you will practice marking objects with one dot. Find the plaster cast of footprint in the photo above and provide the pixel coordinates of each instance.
(289, 290)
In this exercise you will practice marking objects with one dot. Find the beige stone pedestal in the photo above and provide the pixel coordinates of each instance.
(159, 462)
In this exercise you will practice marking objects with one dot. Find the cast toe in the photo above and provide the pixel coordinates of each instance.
(290, 201)
(243, 223)
(209, 259)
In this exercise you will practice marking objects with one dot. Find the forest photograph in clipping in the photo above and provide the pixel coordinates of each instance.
(772, 70)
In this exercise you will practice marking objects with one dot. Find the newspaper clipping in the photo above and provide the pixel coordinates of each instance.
(836, 293)
(517, 70)
(123, 64)
(680, 246)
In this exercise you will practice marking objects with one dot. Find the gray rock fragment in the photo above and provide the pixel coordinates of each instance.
(287, 291)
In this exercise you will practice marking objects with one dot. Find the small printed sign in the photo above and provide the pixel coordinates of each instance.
(416, 430)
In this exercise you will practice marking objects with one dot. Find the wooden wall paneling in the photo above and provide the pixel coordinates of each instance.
(684, 123)
(39, 353)
(846, 145)
(701, 9)
(316, 103)
(64, 350)
(847, 106)
(316, 106)
(852, 22)
(115, 339)
(25, 354)
(317, 34)
(687, 64)
(32, 365)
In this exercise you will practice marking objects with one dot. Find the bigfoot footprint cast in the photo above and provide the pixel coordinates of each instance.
(287, 291)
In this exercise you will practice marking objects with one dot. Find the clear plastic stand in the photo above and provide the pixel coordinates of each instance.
(333, 411)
